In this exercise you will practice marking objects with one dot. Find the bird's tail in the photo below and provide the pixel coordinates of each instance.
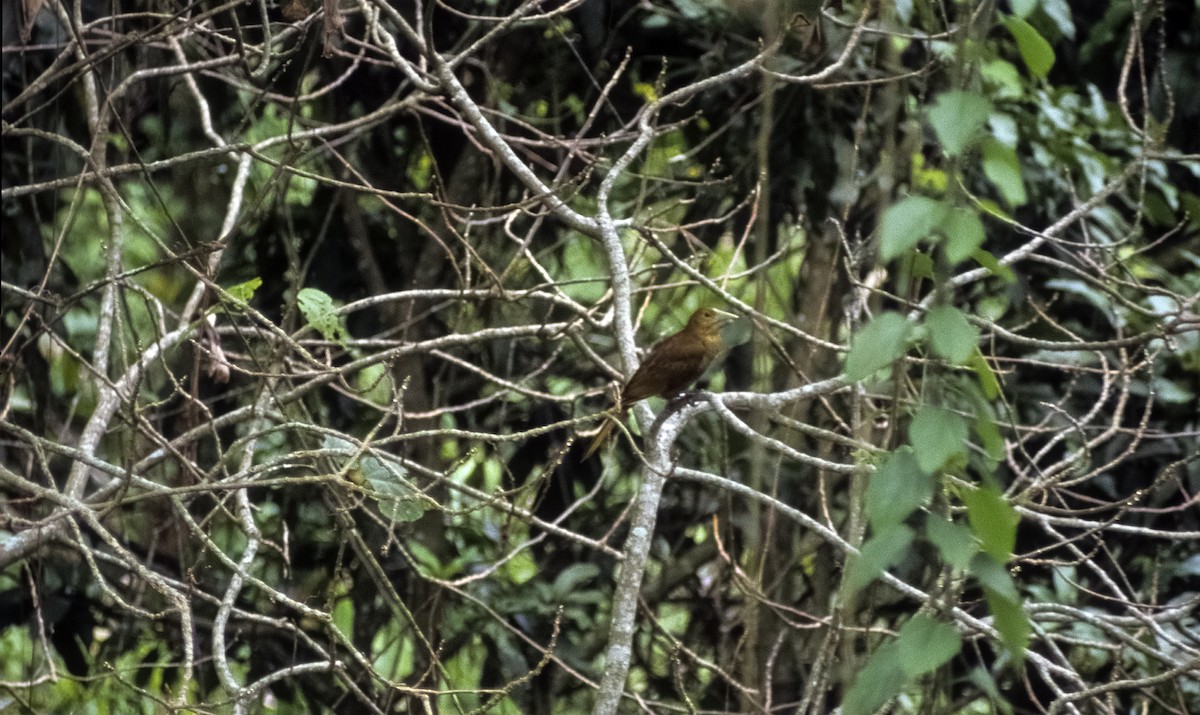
(601, 437)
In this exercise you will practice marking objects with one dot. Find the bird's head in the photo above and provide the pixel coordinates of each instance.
(709, 320)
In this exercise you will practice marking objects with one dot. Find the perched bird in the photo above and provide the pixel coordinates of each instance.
(673, 364)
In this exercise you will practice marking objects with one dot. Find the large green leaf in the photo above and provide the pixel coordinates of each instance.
(964, 234)
(896, 489)
(993, 520)
(883, 549)
(1003, 169)
(906, 222)
(954, 542)
(877, 345)
(950, 335)
(879, 681)
(1035, 50)
(992, 575)
(956, 117)
(925, 644)
(1010, 620)
(937, 435)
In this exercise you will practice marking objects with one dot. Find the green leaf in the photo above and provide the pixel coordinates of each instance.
(993, 520)
(397, 498)
(937, 435)
(950, 335)
(906, 222)
(924, 645)
(343, 616)
(374, 383)
(320, 313)
(988, 261)
(1002, 78)
(1059, 12)
(989, 436)
(391, 653)
(954, 542)
(964, 234)
(1003, 169)
(877, 345)
(896, 489)
(921, 265)
(1003, 128)
(425, 557)
(879, 680)
(1010, 620)
(401, 510)
(521, 568)
(993, 577)
(956, 117)
(882, 550)
(573, 578)
(982, 679)
(1022, 8)
(983, 371)
(1035, 51)
(244, 291)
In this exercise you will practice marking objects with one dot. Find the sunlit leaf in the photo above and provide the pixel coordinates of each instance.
(921, 265)
(1002, 78)
(521, 568)
(244, 291)
(343, 616)
(1035, 50)
(1059, 12)
(374, 383)
(1022, 8)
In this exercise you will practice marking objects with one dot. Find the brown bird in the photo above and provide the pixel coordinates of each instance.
(673, 364)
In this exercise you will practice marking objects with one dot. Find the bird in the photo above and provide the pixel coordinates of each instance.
(671, 366)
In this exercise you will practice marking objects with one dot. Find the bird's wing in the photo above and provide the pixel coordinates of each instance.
(668, 369)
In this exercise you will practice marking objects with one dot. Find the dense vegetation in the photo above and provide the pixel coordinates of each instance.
(308, 312)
